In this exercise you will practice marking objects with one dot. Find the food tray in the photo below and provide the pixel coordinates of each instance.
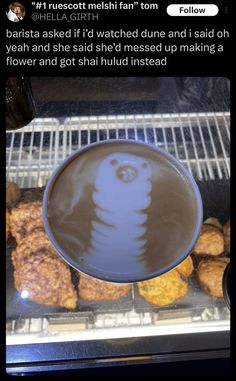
(214, 194)
(195, 299)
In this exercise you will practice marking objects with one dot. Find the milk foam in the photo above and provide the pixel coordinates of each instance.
(121, 196)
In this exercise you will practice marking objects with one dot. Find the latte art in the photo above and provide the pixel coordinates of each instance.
(120, 206)
(122, 210)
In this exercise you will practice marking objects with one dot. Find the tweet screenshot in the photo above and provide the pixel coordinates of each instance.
(117, 146)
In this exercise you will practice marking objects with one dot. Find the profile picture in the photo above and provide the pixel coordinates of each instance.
(15, 12)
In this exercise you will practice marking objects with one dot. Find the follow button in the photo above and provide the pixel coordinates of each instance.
(192, 10)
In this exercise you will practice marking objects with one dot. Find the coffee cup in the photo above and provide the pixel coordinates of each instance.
(122, 211)
(20, 104)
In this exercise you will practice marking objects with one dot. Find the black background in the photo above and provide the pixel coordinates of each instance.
(182, 65)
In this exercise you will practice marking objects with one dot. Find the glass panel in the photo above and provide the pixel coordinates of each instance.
(199, 140)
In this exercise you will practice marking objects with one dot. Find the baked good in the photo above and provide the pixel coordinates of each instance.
(45, 279)
(8, 216)
(25, 218)
(12, 194)
(31, 195)
(163, 290)
(210, 275)
(210, 242)
(185, 268)
(213, 221)
(227, 236)
(97, 290)
(33, 242)
(40, 275)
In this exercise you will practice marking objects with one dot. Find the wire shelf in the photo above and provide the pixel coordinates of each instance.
(201, 141)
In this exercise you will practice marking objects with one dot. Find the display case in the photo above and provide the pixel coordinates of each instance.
(130, 329)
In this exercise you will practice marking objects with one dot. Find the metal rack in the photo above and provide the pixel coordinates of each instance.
(201, 141)
(115, 325)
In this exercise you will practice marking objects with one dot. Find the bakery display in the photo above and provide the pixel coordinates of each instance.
(41, 276)
(97, 290)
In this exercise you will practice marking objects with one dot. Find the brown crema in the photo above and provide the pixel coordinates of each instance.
(169, 221)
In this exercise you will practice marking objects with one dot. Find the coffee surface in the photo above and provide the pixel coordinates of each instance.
(122, 208)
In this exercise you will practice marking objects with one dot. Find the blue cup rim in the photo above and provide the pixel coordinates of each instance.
(112, 277)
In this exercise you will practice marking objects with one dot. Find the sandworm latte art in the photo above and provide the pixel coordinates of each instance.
(122, 188)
